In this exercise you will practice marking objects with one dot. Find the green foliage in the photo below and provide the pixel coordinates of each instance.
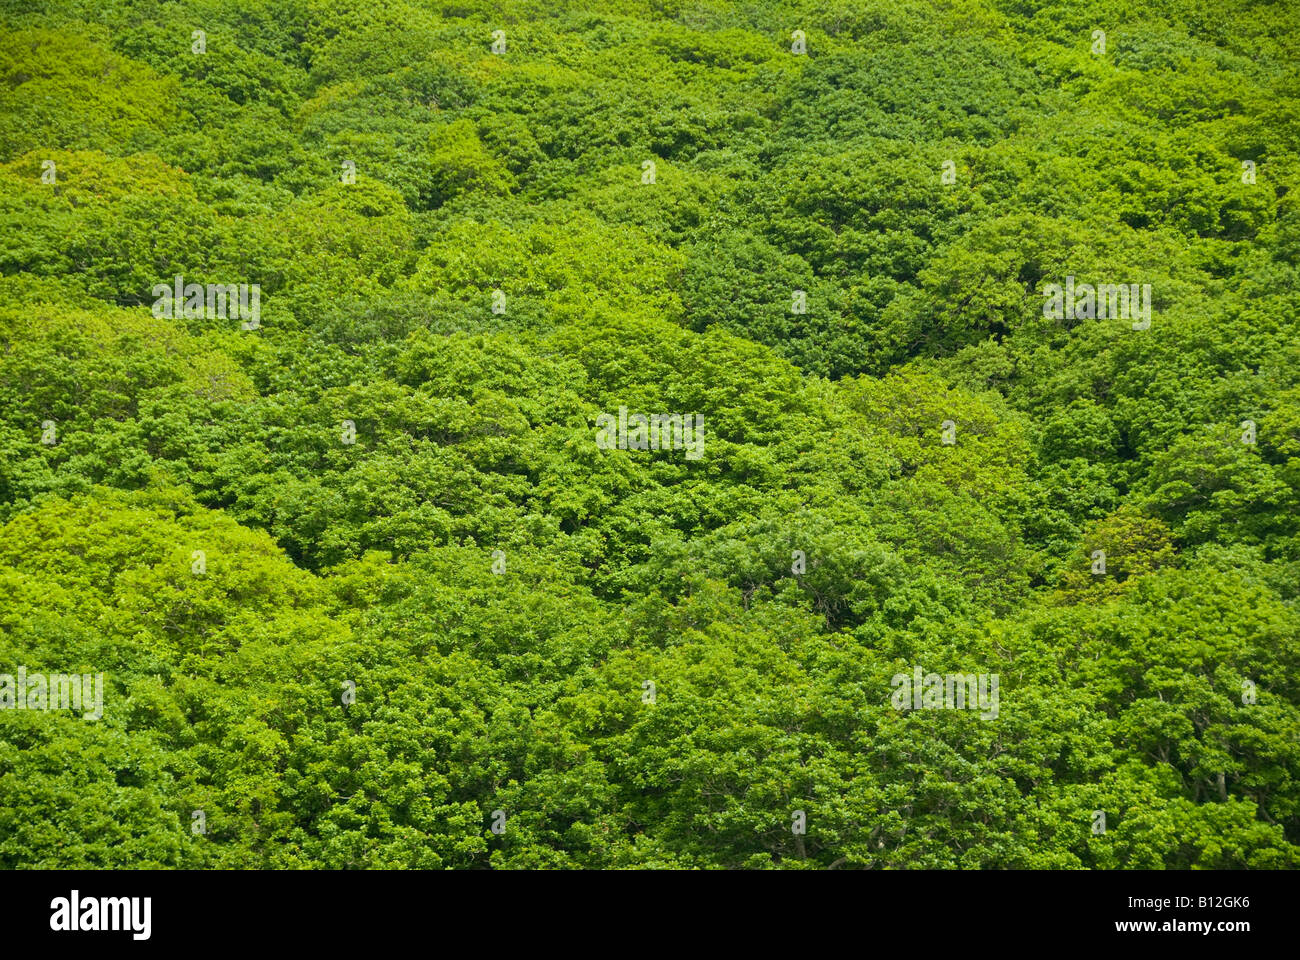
(360, 577)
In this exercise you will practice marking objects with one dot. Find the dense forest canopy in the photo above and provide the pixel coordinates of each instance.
(575, 434)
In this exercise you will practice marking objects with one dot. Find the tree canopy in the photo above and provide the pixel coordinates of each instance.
(365, 590)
